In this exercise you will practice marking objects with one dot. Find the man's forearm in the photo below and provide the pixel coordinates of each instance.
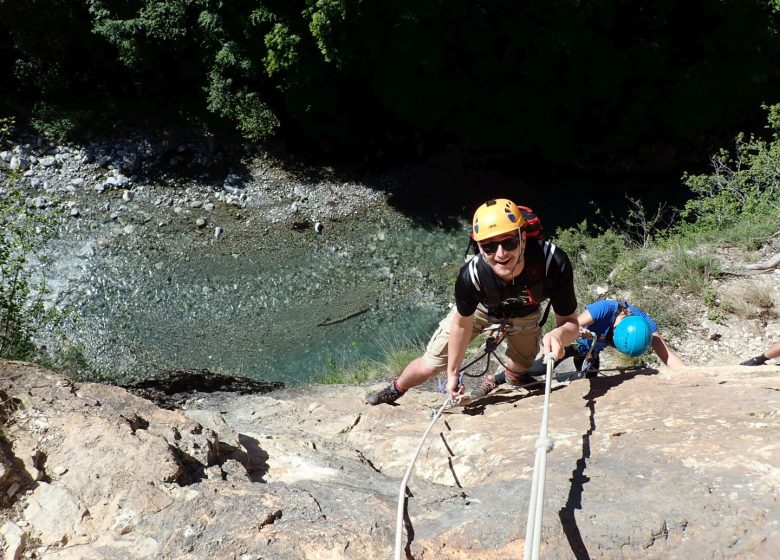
(457, 343)
(569, 330)
(565, 333)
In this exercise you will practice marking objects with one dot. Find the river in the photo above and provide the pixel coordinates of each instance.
(272, 303)
(159, 265)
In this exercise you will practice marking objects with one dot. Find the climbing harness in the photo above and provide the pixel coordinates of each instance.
(544, 445)
(405, 481)
(497, 334)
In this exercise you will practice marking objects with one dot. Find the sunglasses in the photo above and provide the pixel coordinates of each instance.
(509, 244)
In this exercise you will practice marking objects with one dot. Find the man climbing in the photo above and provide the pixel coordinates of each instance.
(505, 282)
(773, 352)
(620, 325)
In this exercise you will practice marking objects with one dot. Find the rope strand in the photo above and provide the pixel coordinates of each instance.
(544, 445)
(405, 481)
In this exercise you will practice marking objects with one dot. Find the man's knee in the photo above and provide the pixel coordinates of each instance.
(423, 368)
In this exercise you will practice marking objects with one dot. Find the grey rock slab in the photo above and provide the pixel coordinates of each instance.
(55, 514)
(653, 464)
(215, 422)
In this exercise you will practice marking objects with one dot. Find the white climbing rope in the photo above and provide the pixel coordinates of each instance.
(533, 531)
(405, 481)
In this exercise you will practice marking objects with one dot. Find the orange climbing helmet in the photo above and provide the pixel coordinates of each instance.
(495, 217)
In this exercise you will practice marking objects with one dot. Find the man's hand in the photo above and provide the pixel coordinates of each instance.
(552, 343)
(585, 333)
(565, 333)
(454, 386)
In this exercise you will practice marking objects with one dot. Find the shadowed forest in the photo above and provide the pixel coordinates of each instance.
(609, 87)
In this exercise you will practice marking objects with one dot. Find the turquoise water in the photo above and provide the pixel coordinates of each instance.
(268, 309)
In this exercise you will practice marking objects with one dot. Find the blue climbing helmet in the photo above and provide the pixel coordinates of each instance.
(632, 336)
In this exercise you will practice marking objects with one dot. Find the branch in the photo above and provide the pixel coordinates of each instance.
(766, 266)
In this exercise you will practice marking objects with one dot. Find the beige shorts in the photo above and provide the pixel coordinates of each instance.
(522, 342)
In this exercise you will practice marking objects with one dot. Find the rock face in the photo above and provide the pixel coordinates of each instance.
(645, 465)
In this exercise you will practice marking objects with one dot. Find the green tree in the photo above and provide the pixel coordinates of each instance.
(740, 198)
(609, 85)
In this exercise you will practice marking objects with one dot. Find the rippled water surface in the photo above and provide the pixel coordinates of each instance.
(264, 304)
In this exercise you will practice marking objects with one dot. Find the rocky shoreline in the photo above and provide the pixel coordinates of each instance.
(197, 173)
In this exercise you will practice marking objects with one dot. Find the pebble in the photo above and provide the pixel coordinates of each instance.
(200, 222)
(17, 163)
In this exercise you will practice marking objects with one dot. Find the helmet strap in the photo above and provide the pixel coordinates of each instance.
(521, 256)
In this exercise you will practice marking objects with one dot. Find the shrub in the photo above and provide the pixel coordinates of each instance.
(688, 272)
(671, 315)
(593, 257)
(760, 297)
(739, 202)
(394, 357)
(57, 123)
(750, 303)
(22, 312)
(7, 125)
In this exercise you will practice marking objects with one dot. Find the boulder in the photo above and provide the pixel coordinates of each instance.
(15, 540)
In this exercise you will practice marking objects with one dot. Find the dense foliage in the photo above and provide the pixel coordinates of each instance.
(600, 83)
(740, 200)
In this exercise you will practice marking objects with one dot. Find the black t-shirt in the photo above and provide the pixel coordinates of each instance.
(547, 274)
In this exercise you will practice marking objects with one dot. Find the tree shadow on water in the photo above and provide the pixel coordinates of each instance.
(599, 386)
